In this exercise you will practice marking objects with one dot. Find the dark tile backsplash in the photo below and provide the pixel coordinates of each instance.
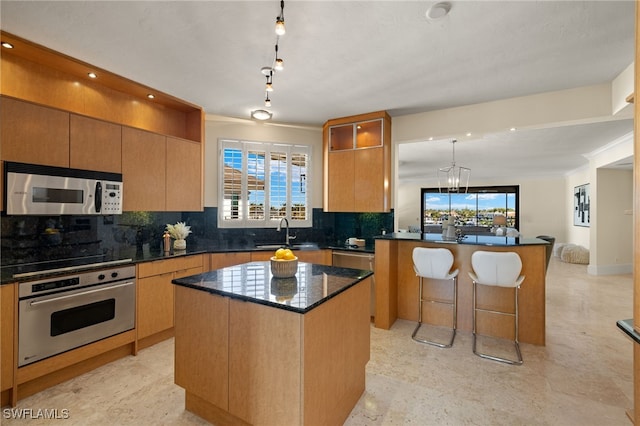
(27, 239)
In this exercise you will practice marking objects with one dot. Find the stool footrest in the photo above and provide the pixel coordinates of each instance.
(431, 342)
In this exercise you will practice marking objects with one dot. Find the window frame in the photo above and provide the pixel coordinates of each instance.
(507, 189)
(266, 147)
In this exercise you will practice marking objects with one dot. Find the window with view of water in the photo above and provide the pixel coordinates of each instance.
(472, 211)
(260, 183)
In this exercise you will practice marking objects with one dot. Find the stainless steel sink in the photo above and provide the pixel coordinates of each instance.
(269, 246)
(305, 246)
(293, 246)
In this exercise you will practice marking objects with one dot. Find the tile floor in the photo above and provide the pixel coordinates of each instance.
(582, 377)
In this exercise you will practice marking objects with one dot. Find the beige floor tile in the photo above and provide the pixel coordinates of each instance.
(583, 376)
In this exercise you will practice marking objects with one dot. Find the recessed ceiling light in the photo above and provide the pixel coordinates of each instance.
(261, 114)
(7, 45)
(438, 11)
(468, 133)
(151, 96)
(92, 75)
(513, 129)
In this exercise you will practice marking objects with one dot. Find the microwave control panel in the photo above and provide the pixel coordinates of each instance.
(111, 198)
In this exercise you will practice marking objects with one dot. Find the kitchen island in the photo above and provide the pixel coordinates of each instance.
(253, 349)
(396, 290)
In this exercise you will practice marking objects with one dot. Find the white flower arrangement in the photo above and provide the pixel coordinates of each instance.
(179, 231)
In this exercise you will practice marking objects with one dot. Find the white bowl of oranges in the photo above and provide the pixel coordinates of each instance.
(284, 264)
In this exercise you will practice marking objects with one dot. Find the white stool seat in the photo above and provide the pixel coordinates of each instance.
(498, 269)
(435, 264)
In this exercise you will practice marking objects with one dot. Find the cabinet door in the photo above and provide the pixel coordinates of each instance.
(155, 304)
(341, 178)
(341, 137)
(258, 256)
(184, 175)
(202, 345)
(222, 260)
(143, 170)
(95, 144)
(319, 257)
(369, 180)
(7, 318)
(369, 134)
(33, 134)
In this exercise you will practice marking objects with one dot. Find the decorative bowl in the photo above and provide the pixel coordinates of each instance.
(281, 268)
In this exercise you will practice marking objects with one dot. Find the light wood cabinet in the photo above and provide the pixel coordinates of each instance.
(7, 334)
(155, 296)
(95, 144)
(222, 260)
(144, 156)
(33, 134)
(160, 173)
(357, 163)
(184, 175)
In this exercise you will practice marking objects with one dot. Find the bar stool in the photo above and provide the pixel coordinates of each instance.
(501, 269)
(435, 263)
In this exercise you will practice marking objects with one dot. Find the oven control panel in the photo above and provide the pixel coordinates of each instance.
(71, 281)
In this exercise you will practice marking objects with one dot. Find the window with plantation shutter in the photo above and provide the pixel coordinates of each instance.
(260, 183)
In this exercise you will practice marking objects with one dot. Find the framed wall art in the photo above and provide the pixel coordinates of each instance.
(581, 205)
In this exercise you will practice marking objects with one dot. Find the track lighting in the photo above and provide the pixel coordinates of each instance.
(280, 30)
(279, 63)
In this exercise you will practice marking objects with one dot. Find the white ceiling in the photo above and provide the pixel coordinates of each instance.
(346, 57)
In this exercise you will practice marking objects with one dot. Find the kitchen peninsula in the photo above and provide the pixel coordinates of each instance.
(397, 285)
(252, 349)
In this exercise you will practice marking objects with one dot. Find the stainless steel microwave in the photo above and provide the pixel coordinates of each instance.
(32, 189)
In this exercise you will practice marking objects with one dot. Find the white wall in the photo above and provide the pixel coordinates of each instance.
(221, 127)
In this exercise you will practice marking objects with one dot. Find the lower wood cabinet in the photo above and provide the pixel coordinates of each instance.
(7, 334)
(155, 296)
(222, 260)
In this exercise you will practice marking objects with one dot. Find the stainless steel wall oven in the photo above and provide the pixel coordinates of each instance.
(62, 313)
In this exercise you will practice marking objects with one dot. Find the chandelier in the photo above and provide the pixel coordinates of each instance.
(269, 71)
(453, 178)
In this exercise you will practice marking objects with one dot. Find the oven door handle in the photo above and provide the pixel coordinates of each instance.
(55, 299)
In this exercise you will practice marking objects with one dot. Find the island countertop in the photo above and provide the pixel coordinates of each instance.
(253, 282)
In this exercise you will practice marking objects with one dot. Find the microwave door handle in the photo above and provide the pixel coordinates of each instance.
(98, 197)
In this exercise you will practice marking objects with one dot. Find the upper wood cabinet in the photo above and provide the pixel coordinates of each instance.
(184, 175)
(144, 160)
(34, 134)
(357, 163)
(95, 144)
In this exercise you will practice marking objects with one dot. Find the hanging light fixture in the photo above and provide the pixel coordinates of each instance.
(267, 101)
(455, 178)
(279, 63)
(280, 30)
(269, 87)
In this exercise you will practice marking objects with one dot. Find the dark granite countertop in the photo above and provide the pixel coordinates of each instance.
(482, 240)
(253, 282)
(129, 254)
(627, 328)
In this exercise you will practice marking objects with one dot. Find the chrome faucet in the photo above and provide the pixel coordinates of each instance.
(287, 236)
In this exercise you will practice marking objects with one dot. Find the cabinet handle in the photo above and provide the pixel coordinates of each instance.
(55, 299)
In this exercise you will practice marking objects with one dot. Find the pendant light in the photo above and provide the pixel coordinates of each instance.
(279, 63)
(280, 29)
(453, 178)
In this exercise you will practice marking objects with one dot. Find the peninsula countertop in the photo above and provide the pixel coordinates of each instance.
(253, 282)
(471, 239)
